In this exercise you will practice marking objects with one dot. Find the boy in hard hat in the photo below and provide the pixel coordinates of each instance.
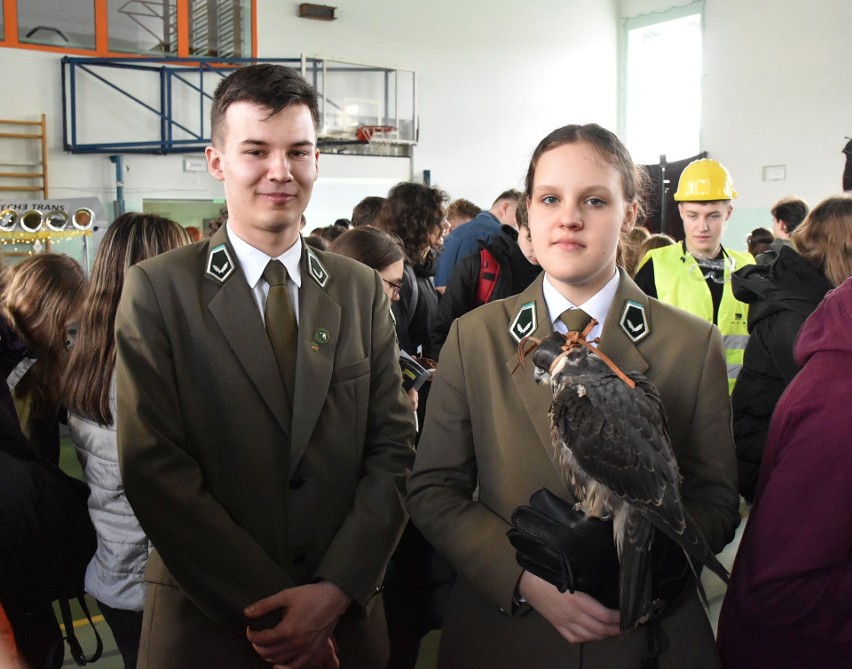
(695, 274)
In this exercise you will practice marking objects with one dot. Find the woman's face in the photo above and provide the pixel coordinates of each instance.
(392, 279)
(436, 236)
(577, 213)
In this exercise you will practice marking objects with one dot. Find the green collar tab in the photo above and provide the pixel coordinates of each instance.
(220, 265)
(525, 322)
(317, 270)
(634, 321)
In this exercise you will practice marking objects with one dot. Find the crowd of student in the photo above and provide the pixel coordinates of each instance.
(272, 538)
(59, 359)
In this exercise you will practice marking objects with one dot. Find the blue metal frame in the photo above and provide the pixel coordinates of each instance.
(179, 74)
(170, 72)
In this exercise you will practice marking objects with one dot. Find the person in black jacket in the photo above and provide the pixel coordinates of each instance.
(415, 213)
(417, 577)
(512, 251)
(781, 297)
(46, 541)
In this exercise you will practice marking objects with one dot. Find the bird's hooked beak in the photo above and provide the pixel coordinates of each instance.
(546, 352)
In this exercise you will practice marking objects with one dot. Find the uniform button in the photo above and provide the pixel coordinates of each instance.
(296, 482)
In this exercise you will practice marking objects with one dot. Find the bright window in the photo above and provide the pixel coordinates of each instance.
(67, 23)
(143, 27)
(663, 85)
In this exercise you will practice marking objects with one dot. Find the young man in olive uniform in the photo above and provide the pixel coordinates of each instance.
(268, 473)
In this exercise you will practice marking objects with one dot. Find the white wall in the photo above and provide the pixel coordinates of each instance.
(493, 79)
(489, 87)
(776, 91)
(31, 81)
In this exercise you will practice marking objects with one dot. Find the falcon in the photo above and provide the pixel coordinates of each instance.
(611, 446)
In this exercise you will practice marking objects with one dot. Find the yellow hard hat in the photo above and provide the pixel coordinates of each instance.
(705, 180)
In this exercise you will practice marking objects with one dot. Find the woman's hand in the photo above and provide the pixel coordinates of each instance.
(578, 617)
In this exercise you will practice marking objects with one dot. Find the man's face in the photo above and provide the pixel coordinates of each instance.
(704, 224)
(268, 165)
(779, 229)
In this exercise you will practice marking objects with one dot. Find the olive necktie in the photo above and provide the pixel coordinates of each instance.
(281, 324)
(575, 320)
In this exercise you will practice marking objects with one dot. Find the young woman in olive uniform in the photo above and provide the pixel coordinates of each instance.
(486, 443)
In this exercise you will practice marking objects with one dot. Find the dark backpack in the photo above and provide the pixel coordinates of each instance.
(489, 272)
(46, 536)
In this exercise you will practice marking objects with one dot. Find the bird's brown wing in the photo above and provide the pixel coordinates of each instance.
(619, 436)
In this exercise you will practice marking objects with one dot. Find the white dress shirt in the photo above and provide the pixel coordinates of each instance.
(254, 262)
(597, 306)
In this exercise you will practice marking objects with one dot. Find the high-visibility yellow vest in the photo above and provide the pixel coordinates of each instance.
(680, 282)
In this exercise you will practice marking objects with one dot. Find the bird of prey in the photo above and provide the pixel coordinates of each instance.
(612, 448)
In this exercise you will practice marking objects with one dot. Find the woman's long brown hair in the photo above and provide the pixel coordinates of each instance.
(131, 238)
(42, 297)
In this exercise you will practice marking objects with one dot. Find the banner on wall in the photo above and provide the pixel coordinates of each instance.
(41, 219)
(35, 226)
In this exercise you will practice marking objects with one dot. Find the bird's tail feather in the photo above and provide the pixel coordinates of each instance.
(698, 584)
(698, 549)
(695, 546)
(635, 576)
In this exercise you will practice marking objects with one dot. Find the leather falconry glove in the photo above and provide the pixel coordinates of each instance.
(561, 545)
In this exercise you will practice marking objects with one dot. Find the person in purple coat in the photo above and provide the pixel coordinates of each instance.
(790, 599)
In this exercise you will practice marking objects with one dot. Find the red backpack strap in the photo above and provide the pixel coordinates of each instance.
(489, 271)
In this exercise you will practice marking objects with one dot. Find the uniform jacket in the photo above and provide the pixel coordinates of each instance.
(790, 600)
(239, 498)
(485, 450)
(780, 297)
(115, 574)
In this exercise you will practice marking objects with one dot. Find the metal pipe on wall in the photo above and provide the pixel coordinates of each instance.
(118, 161)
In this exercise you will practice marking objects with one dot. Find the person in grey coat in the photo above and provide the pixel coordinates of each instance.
(114, 577)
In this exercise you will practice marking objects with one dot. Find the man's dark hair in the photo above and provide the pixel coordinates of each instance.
(273, 87)
(366, 212)
(463, 209)
(792, 210)
(511, 194)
